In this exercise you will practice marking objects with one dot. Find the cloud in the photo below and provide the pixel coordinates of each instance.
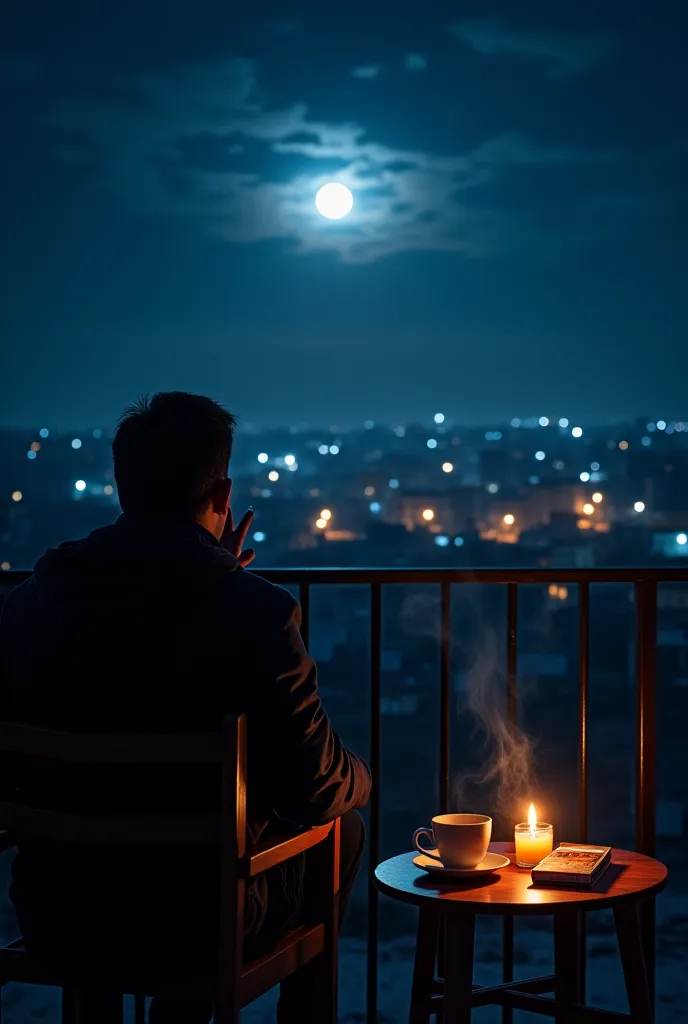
(563, 54)
(366, 71)
(194, 143)
(415, 62)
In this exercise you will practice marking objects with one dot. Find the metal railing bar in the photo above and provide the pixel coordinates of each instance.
(305, 601)
(583, 685)
(445, 695)
(374, 842)
(646, 751)
(512, 717)
(583, 681)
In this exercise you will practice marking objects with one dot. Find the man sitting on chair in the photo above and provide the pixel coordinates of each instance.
(152, 625)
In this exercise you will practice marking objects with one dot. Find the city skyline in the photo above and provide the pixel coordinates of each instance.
(516, 245)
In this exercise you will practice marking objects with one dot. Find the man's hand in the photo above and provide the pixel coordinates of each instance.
(233, 539)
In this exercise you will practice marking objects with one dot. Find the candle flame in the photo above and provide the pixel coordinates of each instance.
(532, 817)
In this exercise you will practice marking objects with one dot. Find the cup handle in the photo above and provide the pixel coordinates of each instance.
(424, 832)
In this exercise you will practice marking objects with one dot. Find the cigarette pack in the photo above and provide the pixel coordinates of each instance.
(572, 864)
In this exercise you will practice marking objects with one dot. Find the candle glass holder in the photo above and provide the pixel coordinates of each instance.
(532, 844)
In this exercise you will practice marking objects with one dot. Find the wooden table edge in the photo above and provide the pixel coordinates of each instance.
(601, 902)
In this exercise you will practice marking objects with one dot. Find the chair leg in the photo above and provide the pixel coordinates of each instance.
(627, 921)
(458, 973)
(90, 1007)
(68, 1008)
(568, 986)
(427, 939)
(139, 1010)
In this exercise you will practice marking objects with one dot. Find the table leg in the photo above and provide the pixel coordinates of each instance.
(458, 970)
(82, 1007)
(424, 964)
(627, 921)
(568, 986)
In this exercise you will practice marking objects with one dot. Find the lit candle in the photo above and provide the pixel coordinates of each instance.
(533, 840)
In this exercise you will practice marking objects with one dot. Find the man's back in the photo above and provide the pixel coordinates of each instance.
(133, 630)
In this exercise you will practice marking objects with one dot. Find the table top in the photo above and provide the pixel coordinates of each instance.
(631, 876)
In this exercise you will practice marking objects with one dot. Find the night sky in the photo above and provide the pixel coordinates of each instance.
(517, 244)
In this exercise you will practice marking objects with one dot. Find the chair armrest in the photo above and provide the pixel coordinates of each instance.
(264, 856)
(7, 840)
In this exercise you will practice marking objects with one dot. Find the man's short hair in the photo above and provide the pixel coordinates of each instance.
(169, 452)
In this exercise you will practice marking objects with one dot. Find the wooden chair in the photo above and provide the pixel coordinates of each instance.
(311, 948)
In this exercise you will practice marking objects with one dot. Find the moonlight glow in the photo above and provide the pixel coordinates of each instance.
(334, 200)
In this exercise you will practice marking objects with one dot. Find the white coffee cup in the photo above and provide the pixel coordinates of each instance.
(460, 839)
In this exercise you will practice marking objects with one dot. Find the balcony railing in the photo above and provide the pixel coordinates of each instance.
(644, 583)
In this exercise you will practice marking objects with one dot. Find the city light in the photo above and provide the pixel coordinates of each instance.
(321, 523)
(263, 457)
(375, 507)
(681, 538)
(597, 497)
(563, 423)
(509, 520)
(109, 489)
(326, 514)
(80, 485)
(35, 446)
(44, 432)
(31, 455)
(369, 492)
(585, 477)
(646, 441)
(334, 449)
(292, 467)
(543, 421)
(459, 542)
(492, 488)
(540, 456)
(514, 423)
(442, 541)
(76, 443)
(623, 445)
(588, 508)
(432, 443)
(439, 417)
(5, 566)
(97, 433)
(289, 460)
(259, 536)
(369, 424)
(594, 466)
(17, 495)
(428, 515)
(323, 449)
(394, 484)
(661, 425)
(577, 432)
(447, 467)
(639, 506)
(652, 427)
(273, 475)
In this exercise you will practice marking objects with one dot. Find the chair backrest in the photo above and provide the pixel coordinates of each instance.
(227, 749)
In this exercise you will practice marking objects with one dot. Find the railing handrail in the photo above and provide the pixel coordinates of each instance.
(332, 574)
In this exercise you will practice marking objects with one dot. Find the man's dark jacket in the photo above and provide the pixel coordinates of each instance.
(141, 628)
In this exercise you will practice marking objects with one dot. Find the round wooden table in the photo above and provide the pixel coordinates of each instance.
(630, 879)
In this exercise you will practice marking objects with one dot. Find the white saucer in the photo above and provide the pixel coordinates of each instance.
(434, 866)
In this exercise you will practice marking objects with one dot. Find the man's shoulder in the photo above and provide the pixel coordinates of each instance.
(256, 594)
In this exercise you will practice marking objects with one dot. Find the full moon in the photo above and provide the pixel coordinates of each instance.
(334, 200)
